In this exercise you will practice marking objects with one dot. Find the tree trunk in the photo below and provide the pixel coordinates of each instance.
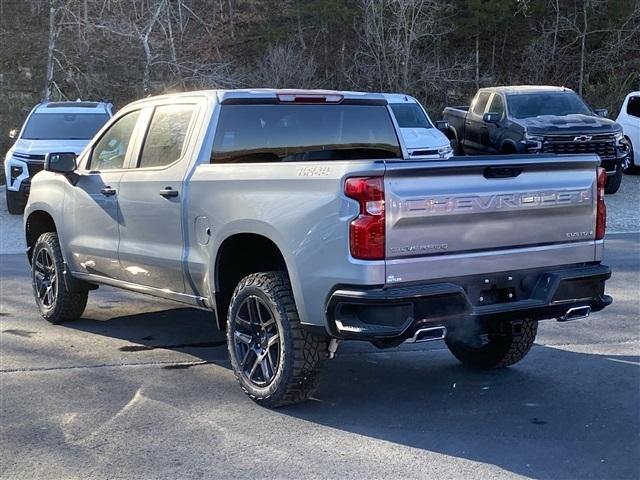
(583, 48)
(555, 32)
(51, 45)
(477, 61)
(231, 24)
(299, 25)
(146, 76)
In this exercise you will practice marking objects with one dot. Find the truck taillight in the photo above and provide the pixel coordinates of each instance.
(366, 233)
(601, 208)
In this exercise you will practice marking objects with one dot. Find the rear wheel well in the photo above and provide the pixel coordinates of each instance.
(238, 256)
(38, 222)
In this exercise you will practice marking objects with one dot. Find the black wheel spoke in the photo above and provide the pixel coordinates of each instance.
(243, 337)
(264, 366)
(254, 367)
(273, 340)
(245, 360)
(257, 341)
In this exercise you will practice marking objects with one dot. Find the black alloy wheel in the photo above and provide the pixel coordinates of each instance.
(257, 341)
(45, 280)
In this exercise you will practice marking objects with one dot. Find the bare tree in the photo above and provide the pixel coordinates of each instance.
(391, 32)
(286, 66)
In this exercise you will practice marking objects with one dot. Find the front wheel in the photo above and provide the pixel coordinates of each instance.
(56, 303)
(613, 183)
(493, 350)
(274, 359)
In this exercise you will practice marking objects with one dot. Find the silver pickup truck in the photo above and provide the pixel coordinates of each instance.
(297, 218)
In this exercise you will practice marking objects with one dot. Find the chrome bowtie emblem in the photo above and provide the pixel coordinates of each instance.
(583, 138)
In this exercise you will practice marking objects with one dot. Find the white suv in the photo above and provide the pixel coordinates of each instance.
(629, 118)
(422, 139)
(50, 127)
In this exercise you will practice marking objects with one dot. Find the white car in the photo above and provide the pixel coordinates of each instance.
(421, 137)
(49, 127)
(629, 118)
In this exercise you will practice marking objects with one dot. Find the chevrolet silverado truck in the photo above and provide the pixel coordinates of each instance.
(537, 119)
(49, 127)
(299, 219)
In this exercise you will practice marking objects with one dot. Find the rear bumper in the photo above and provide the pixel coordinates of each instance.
(396, 313)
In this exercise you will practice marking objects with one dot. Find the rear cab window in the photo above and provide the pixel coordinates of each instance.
(303, 132)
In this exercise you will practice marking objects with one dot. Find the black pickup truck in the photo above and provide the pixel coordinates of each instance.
(537, 119)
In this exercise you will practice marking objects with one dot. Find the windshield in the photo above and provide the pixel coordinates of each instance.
(286, 133)
(63, 126)
(410, 115)
(553, 103)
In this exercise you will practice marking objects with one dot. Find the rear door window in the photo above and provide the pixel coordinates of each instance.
(165, 139)
(633, 107)
(289, 133)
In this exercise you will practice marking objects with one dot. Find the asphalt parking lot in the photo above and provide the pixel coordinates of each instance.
(142, 387)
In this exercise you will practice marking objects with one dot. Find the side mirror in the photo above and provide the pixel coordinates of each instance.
(602, 112)
(13, 133)
(491, 117)
(64, 162)
(442, 125)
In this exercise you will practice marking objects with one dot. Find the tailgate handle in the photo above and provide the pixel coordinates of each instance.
(502, 172)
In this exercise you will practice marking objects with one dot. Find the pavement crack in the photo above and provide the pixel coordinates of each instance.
(166, 365)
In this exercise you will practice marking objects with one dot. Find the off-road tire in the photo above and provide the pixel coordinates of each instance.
(15, 202)
(301, 352)
(613, 183)
(67, 306)
(629, 167)
(498, 350)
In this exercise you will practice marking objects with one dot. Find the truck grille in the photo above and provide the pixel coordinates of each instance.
(28, 156)
(34, 167)
(603, 145)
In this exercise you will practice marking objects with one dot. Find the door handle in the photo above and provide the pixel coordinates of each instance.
(168, 192)
(108, 191)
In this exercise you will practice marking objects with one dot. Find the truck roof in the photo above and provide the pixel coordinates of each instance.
(73, 107)
(520, 89)
(229, 96)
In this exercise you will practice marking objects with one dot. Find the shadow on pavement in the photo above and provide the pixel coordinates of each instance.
(557, 414)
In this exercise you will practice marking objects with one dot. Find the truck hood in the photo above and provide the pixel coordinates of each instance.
(569, 124)
(42, 147)
(423, 138)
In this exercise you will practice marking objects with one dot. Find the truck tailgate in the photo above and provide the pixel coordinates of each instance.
(487, 214)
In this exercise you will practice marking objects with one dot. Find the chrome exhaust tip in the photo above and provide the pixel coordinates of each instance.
(576, 313)
(428, 334)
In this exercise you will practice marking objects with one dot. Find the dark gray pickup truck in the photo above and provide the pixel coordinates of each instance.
(537, 119)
